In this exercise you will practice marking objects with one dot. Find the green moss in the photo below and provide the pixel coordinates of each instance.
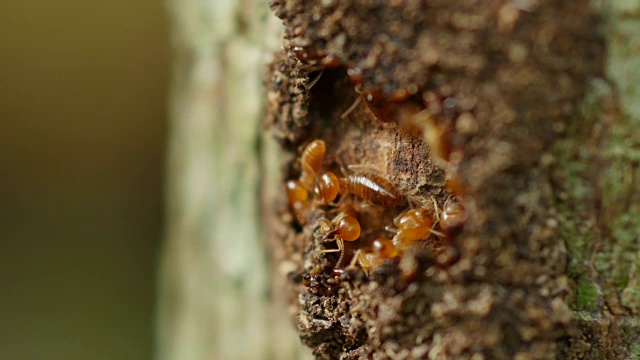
(634, 354)
(574, 172)
(619, 182)
(630, 297)
(613, 230)
(587, 295)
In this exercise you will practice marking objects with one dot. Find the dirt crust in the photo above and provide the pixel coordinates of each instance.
(504, 79)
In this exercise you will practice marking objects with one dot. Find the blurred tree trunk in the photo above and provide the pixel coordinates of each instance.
(214, 300)
(606, 261)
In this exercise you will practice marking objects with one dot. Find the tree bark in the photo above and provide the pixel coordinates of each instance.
(214, 299)
(548, 152)
(542, 126)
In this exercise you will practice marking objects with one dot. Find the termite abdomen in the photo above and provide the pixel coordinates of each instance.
(371, 188)
(311, 161)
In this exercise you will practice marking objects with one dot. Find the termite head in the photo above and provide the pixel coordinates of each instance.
(412, 225)
(347, 229)
(453, 215)
(327, 187)
(397, 108)
(384, 248)
(308, 55)
(415, 220)
(355, 75)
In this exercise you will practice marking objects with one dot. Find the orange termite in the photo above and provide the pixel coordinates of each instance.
(383, 248)
(355, 75)
(308, 55)
(298, 200)
(345, 228)
(311, 161)
(453, 215)
(453, 183)
(346, 210)
(372, 188)
(330, 61)
(301, 210)
(327, 187)
(397, 107)
(412, 225)
(296, 192)
(438, 137)
(379, 106)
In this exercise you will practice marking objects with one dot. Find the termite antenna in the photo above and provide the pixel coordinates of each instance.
(397, 217)
(359, 168)
(343, 169)
(339, 262)
(315, 81)
(351, 108)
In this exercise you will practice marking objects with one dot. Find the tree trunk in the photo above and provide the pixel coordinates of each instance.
(541, 106)
(214, 300)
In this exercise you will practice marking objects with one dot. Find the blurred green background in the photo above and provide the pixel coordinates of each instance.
(83, 87)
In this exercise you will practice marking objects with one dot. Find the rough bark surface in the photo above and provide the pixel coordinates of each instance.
(546, 264)
(214, 299)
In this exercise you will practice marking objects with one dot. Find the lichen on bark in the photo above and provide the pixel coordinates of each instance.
(600, 199)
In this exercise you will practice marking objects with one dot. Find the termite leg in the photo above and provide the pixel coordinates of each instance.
(436, 233)
(343, 169)
(359, 258)
(340, 244)
(435, 209)
(351, 108)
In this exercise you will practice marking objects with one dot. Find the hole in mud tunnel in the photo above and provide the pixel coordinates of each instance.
(357, 142)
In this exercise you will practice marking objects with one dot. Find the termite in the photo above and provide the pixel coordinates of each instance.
(346, 209)
(438, 137)
(453, 215)
(298, 200)
(311, 161)
(327, 187)
(383, 249)
(301, 210)
(355, 75)
(308, 55)
(371, 188)
(413, 225)
(296, 192)
(345, 228)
